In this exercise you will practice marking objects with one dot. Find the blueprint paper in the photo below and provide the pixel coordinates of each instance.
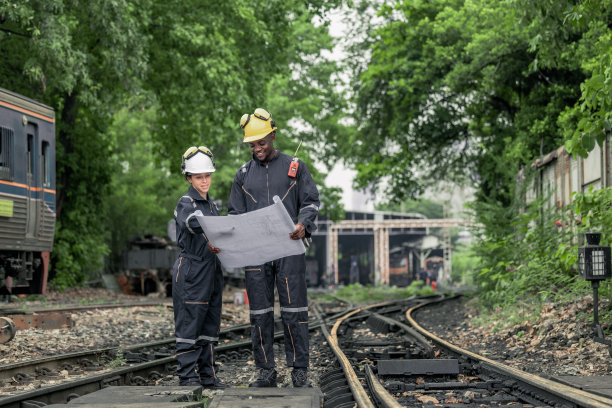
(252, 238)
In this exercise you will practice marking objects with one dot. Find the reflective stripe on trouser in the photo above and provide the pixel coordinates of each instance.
(196, 296)
(289, 275)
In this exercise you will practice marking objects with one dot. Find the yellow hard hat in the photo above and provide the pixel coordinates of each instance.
(257, 125)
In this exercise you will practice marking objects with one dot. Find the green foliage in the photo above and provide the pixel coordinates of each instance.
(428, 208)
(142, 193)
(118, 361)
(447, 94)
(533, 253)
(151, 78)
(359, 293)
(465, 261)
(578, 35)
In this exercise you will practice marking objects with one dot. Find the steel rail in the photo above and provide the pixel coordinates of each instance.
(359, 393)
(77, 307)
(122, 375)
(575, 395)
(53, 362)
(383, 397)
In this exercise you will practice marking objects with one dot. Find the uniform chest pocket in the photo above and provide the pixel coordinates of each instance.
(249, 194)
(291, 186)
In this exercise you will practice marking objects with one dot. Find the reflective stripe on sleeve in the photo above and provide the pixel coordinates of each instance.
(187, 222)
(310, 206)
(190, 199)
(262, 311)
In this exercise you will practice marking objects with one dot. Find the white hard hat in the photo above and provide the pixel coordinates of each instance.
(198, 160)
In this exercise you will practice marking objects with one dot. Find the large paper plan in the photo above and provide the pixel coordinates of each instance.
(252, 238)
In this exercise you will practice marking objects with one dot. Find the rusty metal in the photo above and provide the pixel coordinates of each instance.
(7, 330)
(46, 321)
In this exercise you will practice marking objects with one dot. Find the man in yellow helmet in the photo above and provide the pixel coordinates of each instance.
(269, 173)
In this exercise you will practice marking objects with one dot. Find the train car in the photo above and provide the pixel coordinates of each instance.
(27, 192)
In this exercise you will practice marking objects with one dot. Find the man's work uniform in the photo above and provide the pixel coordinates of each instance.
(197, 285)
(254, 187)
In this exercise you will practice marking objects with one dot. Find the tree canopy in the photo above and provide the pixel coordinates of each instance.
(470, 90)
(454, 90)
(191, 68)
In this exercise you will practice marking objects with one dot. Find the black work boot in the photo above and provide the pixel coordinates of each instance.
(266, 378)
(299, 377)
(213, 384)
(189, 381)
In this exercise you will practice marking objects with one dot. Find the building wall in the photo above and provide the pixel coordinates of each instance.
(560, 174)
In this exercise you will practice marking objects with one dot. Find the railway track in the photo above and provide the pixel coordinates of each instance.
(387, 360)
(375, 355)
(60, 378)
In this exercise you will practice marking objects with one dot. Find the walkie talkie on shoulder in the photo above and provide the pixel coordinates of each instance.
(295, 164)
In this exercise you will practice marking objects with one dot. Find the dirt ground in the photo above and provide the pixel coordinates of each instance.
(558, 342)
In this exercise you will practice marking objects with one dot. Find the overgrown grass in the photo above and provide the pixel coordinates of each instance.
(528, 255)
(119, 360)
(364, 294)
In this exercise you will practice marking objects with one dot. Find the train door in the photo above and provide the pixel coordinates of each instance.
(33, 189)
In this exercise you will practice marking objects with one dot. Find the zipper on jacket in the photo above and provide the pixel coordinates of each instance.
(268, 184)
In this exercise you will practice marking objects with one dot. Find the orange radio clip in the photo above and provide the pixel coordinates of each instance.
(295, 164)
(293, 167)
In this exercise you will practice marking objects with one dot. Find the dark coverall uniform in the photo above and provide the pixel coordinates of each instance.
(197, 285)
(254, 187)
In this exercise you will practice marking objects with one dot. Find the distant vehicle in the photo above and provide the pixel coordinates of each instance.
(147, 267)
(399, 271)
(27, 191)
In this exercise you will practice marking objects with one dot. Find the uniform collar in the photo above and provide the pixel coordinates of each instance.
(193, 193)
(276, 156)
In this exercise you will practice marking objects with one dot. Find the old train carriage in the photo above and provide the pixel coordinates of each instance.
(27, 191)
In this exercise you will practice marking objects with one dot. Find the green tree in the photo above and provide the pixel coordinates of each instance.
(81, 60)
(577, 35)
(194, 67)
(449, 93)
(142, 193)
(428, 208)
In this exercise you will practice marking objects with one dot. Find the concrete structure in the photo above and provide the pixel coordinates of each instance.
(387, 230)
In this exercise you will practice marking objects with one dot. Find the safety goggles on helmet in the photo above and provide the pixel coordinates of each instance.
(192, 151)
(260, 113)
(193, 163)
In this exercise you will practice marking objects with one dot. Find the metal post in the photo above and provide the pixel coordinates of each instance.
(377, 256)
(597, 331)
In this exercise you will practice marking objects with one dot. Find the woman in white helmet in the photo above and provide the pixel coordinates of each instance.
(197, 278)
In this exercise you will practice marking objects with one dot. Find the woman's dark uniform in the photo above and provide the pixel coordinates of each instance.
(197, 285)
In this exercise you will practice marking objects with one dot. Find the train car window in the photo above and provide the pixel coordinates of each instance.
(46, 165)
(30, 154)
(6, 158)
